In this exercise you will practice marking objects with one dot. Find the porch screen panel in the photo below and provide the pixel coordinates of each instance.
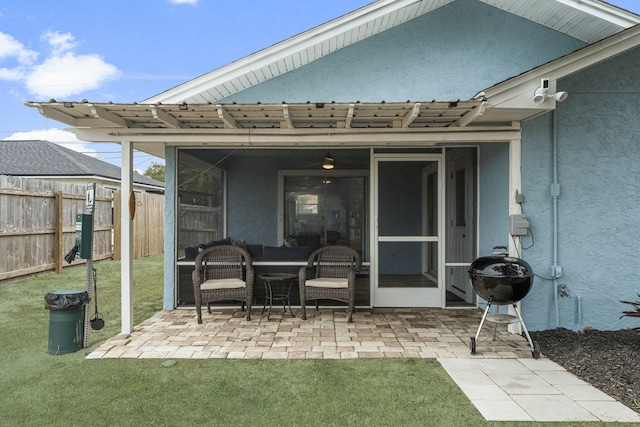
(408, 209)
(407, 200)
(200, 201)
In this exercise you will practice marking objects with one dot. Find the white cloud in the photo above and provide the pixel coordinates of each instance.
(60, 43)
(12, 48)
(69, 74)
(183, 1)
(61, 74)
(59, 136)
(14, 74)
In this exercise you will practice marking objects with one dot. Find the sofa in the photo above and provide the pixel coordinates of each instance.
(295, 248)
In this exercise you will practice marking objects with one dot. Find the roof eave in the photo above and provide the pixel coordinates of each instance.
(517, 92)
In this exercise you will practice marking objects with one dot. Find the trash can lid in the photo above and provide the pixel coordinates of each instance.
(65, 299)
(68, 291)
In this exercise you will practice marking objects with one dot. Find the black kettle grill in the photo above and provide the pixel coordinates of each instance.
(501, 280)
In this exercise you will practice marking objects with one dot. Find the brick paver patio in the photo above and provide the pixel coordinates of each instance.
(375, 333)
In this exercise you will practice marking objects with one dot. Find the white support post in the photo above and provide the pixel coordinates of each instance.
(515, 185)
(126, 238)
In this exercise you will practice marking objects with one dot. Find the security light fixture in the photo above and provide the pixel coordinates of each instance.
(561, 96)
(542, 93)
(183, 106)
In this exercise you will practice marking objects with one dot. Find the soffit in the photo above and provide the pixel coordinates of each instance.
(586, 20)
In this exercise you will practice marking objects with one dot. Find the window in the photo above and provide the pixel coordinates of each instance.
(306, 204)
(327, 207)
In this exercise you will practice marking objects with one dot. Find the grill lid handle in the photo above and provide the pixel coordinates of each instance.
(500, 251)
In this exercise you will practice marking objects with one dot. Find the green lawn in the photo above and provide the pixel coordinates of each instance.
(43, 390)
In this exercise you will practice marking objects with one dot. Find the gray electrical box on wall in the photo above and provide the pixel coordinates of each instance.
(518, 225)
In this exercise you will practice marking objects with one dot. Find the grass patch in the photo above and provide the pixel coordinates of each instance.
(69, 390)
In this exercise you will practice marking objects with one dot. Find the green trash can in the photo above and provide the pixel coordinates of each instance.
(66, 320)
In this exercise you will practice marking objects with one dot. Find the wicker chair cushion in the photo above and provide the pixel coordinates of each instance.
(222, 284)
(328, 282)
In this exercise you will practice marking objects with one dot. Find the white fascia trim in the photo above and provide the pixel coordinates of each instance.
(518, 91)
(604, 11)
(279, 51)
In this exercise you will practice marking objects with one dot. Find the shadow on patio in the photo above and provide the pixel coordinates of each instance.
(375, 333)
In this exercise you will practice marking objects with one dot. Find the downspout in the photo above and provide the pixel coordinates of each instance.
(556, 270)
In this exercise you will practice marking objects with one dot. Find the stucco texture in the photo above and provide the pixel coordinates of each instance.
(599, 174)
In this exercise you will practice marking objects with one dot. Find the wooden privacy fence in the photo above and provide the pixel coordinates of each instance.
(37, 224)
(148, 225)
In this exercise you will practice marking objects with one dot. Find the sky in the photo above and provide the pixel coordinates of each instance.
(127, 51)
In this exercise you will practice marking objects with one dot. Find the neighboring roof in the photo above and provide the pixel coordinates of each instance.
(47, 159)
(586, 20)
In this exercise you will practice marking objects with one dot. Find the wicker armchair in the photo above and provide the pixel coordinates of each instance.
(330, 273)
(223, 273)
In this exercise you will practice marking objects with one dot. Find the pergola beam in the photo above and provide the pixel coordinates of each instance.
(223, 115)
(165, 118)
(55, 114)
(302, 137)
(412, 115)
(108, 116)
(349, 119)
(288, 123)
(470, 116)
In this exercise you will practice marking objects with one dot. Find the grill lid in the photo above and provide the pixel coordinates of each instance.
(500, 265)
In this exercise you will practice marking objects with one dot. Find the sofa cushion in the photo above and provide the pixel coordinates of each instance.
(328, 282)
(283, 252)
(255, 251)
(291, 242)
(192, 252)
(311, 240)
(222, 284)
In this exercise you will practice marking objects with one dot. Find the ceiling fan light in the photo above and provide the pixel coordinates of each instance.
(328, 162)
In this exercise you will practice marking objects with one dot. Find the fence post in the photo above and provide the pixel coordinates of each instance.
(58, 232)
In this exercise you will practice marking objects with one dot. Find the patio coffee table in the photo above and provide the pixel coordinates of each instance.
(285, 280)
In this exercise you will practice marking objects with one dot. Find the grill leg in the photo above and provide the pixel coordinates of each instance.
(484, 317)
(495, 327)
(535, 350)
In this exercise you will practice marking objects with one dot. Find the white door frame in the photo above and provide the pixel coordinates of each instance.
(457, 234)
(406, 297)
(430, 269)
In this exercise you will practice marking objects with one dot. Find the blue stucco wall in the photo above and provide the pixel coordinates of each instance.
(599, 172)
(493, 212)
(448, 54)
